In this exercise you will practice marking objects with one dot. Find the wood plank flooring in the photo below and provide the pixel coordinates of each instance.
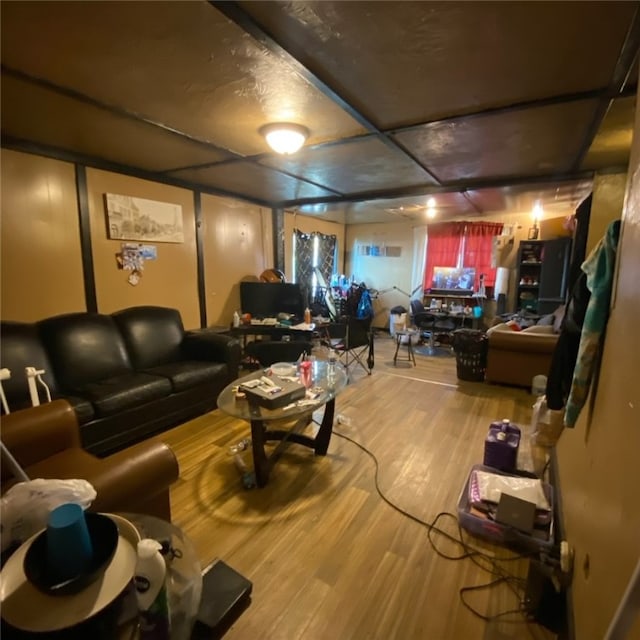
(329, 559)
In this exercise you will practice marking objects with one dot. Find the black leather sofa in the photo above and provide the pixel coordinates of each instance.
(127, 375)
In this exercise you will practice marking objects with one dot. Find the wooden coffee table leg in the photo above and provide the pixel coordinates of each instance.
(326, 429)
(260, 461)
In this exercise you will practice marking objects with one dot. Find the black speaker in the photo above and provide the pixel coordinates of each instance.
(225, 595)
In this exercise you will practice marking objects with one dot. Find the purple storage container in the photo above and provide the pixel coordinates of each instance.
(501, 445)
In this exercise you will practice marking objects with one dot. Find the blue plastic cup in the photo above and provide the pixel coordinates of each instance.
(69, 548)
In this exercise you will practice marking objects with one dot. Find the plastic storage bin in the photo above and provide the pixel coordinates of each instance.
(481, 526)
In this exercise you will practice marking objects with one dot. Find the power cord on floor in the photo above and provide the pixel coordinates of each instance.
(477, 556)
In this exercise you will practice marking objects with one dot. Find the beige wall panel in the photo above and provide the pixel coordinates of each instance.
(238, 245)
(381, 273)
(598, 465)
(554, 228)
(608, 201)
(169, 281)
(40, 238)
(308, 224)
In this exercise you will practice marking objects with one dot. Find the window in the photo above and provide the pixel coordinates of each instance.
(462, 245)
(314, 261)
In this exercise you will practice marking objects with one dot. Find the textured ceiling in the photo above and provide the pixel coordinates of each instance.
(490, 106)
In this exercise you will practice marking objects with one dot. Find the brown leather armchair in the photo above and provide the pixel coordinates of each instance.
(514, 357)
(45, 440)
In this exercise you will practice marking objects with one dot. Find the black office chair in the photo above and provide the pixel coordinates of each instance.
(352, 339)
(444, 328)
(267, 352)
(425, 321)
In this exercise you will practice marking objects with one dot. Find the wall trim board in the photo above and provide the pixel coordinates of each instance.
(277, 221)
(84, 221)
(202, 302)
(26, 146)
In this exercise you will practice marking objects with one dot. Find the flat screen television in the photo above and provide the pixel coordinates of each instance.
(268, 299)
(452, 280)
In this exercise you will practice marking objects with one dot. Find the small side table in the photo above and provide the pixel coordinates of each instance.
(407, 334)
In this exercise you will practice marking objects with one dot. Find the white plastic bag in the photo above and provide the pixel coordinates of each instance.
(546, 424)
(546, 429)
(25, 507)
(486, 486)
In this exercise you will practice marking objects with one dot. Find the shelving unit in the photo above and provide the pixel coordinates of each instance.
(542, 274)
(467, 299)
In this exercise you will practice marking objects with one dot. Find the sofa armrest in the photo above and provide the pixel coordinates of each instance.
(40, 432)
(134, 480)
(132, 477)
(523, 342)
(205, 344)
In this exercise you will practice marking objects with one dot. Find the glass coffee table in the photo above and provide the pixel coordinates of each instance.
(286, 423)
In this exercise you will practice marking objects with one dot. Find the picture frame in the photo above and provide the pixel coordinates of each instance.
(142, 220)
(533, 233)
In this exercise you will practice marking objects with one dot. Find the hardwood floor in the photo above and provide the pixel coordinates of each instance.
(329, 559)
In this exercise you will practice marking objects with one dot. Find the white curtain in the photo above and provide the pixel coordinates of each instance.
(419, 261)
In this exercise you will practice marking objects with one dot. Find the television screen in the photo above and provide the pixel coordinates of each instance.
(268, 299)
(454, 280)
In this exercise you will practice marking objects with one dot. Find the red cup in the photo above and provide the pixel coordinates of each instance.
(305, 373)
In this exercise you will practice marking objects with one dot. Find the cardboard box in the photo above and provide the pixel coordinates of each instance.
(291, 391)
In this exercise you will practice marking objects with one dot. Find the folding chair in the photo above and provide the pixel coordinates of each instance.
(352, 340)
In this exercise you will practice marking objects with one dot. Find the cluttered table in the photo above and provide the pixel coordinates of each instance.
(324, 384)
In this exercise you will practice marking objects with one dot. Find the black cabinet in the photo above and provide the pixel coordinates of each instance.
(543, 267)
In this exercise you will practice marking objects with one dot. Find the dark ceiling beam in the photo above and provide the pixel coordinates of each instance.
(564, 98)
(132, 115)
(453, 187)
(471, 201)
(111, 108)
(241, 18)
(27, 146)
(253, 160)
(624, 64)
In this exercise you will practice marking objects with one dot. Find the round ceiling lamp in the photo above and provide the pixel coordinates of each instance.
(285, 137)
(431, 208)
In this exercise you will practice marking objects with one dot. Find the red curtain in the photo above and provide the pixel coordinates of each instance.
(443, 247)
(478, 248)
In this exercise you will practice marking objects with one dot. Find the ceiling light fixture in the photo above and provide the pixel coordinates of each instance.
(537, 211)
(285, 137)
(431, 207)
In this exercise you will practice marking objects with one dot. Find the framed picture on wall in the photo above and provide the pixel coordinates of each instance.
(130, 218)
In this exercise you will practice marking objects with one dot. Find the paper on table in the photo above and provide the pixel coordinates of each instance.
(491, 485)
(303, 326)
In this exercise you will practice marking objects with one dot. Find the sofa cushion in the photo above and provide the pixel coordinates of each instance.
(538, 328)
(502, 326)
(122, 392)
(83, 348)
(187, 374)
(153, 335)
(546, 321)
